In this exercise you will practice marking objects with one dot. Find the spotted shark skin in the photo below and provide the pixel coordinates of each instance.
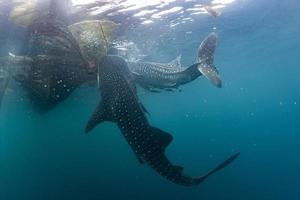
(157, 75)
(119, 104)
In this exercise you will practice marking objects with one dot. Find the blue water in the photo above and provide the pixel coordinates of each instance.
(48, 156)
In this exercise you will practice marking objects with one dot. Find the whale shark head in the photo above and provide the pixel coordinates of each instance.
(205, 58)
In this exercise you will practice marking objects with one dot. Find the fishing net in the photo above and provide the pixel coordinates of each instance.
(57, 67)
(94, 38)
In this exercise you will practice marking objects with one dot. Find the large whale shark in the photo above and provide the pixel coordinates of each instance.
(54, 66)
(151, 75)
(119, 104)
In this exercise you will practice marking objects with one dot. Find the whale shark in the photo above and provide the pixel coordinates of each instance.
(53, 67)
(151, 75)
(119, 104)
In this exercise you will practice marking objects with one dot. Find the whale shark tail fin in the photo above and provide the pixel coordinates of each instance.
(217, 168)
(205, 57)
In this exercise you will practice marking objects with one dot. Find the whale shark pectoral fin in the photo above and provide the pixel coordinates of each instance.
(169, 89)
(162, 137)
(211, 73)
(153, 90)
(149, 88)
(100, 115)
(171, 85)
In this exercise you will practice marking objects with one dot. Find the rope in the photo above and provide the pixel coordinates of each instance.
(106, 50)
(104, 37)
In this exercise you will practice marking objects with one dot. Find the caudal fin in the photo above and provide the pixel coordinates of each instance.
(155, 156)
(217, 168)
(205, 57)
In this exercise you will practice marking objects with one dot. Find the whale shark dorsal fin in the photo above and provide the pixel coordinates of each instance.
(101, 114)
(176, 63)
(205, 58)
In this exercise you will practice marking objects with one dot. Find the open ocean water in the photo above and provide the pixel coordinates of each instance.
(48, 157)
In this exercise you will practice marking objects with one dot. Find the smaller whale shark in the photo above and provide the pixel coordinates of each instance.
(151, 75)
(119, 104)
